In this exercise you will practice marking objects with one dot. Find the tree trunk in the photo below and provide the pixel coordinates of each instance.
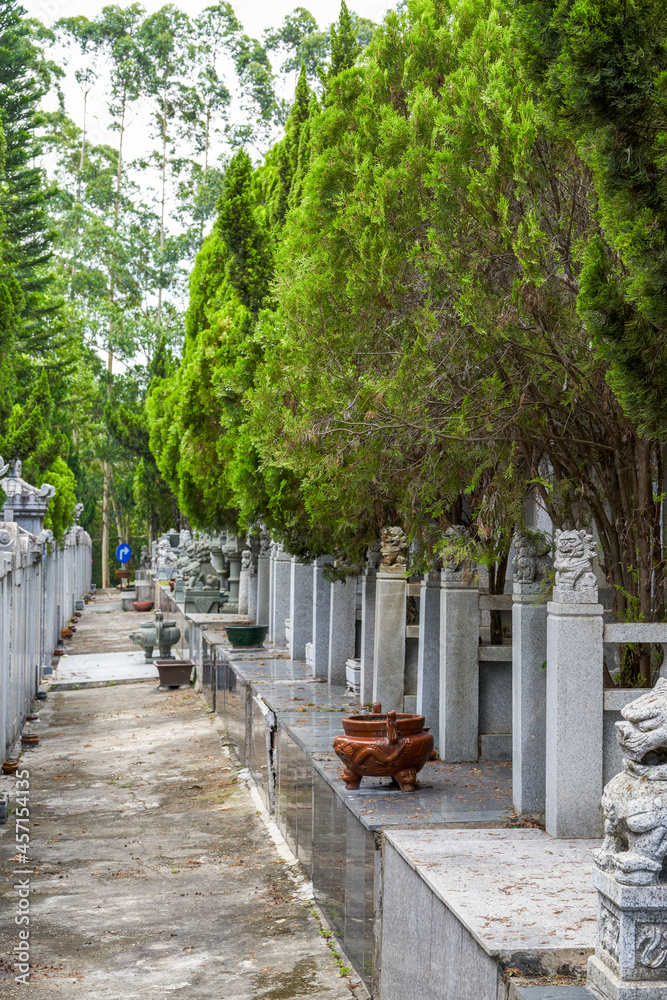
(105, 528)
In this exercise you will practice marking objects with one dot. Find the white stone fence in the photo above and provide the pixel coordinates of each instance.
(39, 582)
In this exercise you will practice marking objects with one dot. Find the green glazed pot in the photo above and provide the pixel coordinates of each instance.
(243, 636)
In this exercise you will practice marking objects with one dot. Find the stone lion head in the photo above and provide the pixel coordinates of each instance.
(574, 545)
(643, 733)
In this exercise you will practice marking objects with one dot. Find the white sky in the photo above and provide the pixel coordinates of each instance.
(255, 15)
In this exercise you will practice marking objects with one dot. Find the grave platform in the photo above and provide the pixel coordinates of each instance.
(281, 722)
(484, 901)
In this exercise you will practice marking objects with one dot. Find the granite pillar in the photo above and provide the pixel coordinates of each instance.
(368, 589)
(300, 608)
(428, 658)
(272, 590)
(529, 698)
(574, 713)
(321, 617)
(252, 593)
(281, 598)
(243, 590)
(459, 669)
(263, 588)
(389, 641)
(342, 618)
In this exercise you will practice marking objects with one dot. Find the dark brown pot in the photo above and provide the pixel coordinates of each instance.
(10, 766)
(384, 746)
(173, 673)
(31, 739)
(143, 606)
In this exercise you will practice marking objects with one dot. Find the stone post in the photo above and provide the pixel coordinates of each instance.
(321, 617)
(529, 676)
(252, 589)
(234, 580)
(342, 620)
(390, 614)
(281, 595)
(300, 608)
(459, 662)
(428, 662)
(244, 580)
(368, 590)
(630, 959)
(263, 578)
(574, 692)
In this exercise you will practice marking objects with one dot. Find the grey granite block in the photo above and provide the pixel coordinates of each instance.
(495, 746)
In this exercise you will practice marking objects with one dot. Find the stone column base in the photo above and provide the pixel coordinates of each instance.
(630, 960)
(604, 983)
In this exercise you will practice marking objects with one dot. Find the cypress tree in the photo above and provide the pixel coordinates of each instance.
(23, 195)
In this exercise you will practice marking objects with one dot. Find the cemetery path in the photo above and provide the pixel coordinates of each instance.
(152, 873)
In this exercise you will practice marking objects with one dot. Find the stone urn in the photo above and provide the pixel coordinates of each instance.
(160, 633)
(377, 745)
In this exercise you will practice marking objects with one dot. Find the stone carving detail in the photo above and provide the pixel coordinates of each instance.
(202, 574)
(145, 559)
(264, 542)
(5, 537)
(574, 560)
(3, 468)
(393, 547)
(609, 930)
(532, 560)
(246, 559)
(634, 802)
(651, 945)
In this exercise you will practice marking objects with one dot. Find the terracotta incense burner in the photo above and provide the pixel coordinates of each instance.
(383, 746)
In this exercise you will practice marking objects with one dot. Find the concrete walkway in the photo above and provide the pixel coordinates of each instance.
(154, 874)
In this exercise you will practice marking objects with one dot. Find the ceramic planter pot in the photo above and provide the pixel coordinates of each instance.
(173, 673)
(10, 766)
(246, 636)
(377, 745)
(143, 606)
(30, 739)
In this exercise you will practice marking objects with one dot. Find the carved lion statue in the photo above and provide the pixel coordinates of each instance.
(635, 800)
(573, 563)
(393, 546)
(531, 559)
(203, 575)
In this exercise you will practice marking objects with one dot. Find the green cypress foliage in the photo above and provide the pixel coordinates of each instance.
(23, 196)
(602, 67)
(249, 262)
(344, 45)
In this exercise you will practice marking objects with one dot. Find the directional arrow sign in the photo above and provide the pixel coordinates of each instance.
(123, 552)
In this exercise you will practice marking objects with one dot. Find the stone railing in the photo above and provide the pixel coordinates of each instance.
(40, 580)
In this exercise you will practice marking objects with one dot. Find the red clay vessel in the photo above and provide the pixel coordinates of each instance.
(384, 746)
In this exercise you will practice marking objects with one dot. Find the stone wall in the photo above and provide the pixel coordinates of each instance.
(40, 580)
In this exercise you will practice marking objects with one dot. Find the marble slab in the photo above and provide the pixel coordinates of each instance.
(92, 669)
(514, 890)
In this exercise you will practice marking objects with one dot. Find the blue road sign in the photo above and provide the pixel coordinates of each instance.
(123, 552)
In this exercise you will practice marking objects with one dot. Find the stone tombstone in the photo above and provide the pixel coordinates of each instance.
(368, 593)
(574, 711)
(631, 872)
(428, 662)
(300, 608)
(263, 578)
(321, 617)
(459, 656)
(390, 617)
(252, 587)
(282, 571)
(532, 565)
